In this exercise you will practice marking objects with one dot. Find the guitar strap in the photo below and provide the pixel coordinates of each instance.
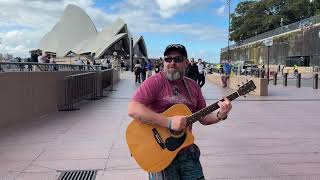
(187, 87)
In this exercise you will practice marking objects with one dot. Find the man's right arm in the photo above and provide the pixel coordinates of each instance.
(139, 111)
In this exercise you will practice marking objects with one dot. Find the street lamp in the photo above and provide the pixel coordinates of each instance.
(310, 9)
(131, 51)
(268, 42)
(228, 2)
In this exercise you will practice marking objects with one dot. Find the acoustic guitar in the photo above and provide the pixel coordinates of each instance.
(154, 147)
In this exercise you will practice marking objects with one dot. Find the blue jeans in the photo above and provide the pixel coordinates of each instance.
(185, 166)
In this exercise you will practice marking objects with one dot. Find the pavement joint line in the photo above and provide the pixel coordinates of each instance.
(113, 143)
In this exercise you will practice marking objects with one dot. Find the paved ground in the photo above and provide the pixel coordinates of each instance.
(265, 138)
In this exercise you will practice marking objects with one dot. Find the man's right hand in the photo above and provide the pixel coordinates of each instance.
(178, 123)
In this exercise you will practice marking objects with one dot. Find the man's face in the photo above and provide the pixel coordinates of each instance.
(174, 70)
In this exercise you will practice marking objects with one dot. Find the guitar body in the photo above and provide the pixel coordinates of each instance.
(144, 147)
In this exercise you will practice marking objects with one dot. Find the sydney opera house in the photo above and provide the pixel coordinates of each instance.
(75, 33)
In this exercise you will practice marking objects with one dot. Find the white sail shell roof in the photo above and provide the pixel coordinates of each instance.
(76, 32)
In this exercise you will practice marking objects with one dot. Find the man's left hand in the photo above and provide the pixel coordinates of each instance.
(225, 107)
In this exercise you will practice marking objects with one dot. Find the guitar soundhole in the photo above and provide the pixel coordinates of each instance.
(176, 133)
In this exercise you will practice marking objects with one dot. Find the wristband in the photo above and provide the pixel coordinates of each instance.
(169, 124)
(221, 119)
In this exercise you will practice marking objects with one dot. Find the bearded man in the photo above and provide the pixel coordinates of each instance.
(163, 90)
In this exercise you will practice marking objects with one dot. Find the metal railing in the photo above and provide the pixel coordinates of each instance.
(33, 66)
(305, 23)
(83, 86)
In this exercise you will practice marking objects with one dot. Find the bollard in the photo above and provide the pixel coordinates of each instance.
(298, 80)
(275, 78)
(315, 81)
(285, 79)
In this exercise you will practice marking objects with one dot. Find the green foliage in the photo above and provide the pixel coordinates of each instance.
(255, 17)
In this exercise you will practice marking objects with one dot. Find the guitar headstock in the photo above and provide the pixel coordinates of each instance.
(246, 88)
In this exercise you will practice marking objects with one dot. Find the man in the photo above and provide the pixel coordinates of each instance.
(161, 91)
(192, 70)
(201, 79)
(143, 69)
(295, 70)
(149, 68)
(227, 72)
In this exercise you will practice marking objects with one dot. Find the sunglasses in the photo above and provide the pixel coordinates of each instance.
(177, 59)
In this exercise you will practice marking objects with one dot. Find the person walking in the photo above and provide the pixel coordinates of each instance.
(192, 70)
(201, 78)
(137, 71)
(227, 72)
(149, 68)
(143, 69)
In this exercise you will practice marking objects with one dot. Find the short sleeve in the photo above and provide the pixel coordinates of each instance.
(148, 91)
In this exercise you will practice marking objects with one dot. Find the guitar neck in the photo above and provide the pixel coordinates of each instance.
(205, 111)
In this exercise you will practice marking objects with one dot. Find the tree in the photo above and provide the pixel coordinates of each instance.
(255, 17)
(316, 7)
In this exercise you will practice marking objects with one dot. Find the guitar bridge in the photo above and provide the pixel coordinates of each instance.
(158, 138)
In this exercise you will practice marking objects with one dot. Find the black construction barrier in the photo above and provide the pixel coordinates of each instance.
(315, 81)
(285, 79)
(298, 80)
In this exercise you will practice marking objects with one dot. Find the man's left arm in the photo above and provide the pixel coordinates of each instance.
(222, 113)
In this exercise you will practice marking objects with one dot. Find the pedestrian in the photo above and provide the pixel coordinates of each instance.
(227, 71)
(192, 70)
(149, 68)
(137, 71)
(143, 69)
(201, 78)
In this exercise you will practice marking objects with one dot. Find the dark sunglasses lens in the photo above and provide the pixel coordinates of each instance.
(178, 59)
(168, 59)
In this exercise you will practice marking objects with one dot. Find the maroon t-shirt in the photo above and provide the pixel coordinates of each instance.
(159, 94)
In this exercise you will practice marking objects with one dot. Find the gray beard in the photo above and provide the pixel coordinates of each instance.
(173, 76)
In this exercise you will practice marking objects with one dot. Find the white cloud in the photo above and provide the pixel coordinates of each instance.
(170, 7)
(13, 34)
(221, 11)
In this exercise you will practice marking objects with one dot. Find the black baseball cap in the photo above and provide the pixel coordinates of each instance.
(176, 47)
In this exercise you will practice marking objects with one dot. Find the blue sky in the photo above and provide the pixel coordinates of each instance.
(201, 25)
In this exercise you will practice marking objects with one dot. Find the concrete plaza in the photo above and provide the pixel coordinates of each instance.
(265, 138)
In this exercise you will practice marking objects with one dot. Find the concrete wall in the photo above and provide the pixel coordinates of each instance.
(234, 81)
(302, 42)
(28, 95)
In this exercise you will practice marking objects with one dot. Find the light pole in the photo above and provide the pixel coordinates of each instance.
(228, 2)
(131, 55)
(281, 24)
(310, 9)
(268, 42)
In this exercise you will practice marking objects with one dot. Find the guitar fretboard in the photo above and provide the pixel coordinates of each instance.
(205, 111)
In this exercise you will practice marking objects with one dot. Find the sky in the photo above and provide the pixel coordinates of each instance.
(200, 25)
